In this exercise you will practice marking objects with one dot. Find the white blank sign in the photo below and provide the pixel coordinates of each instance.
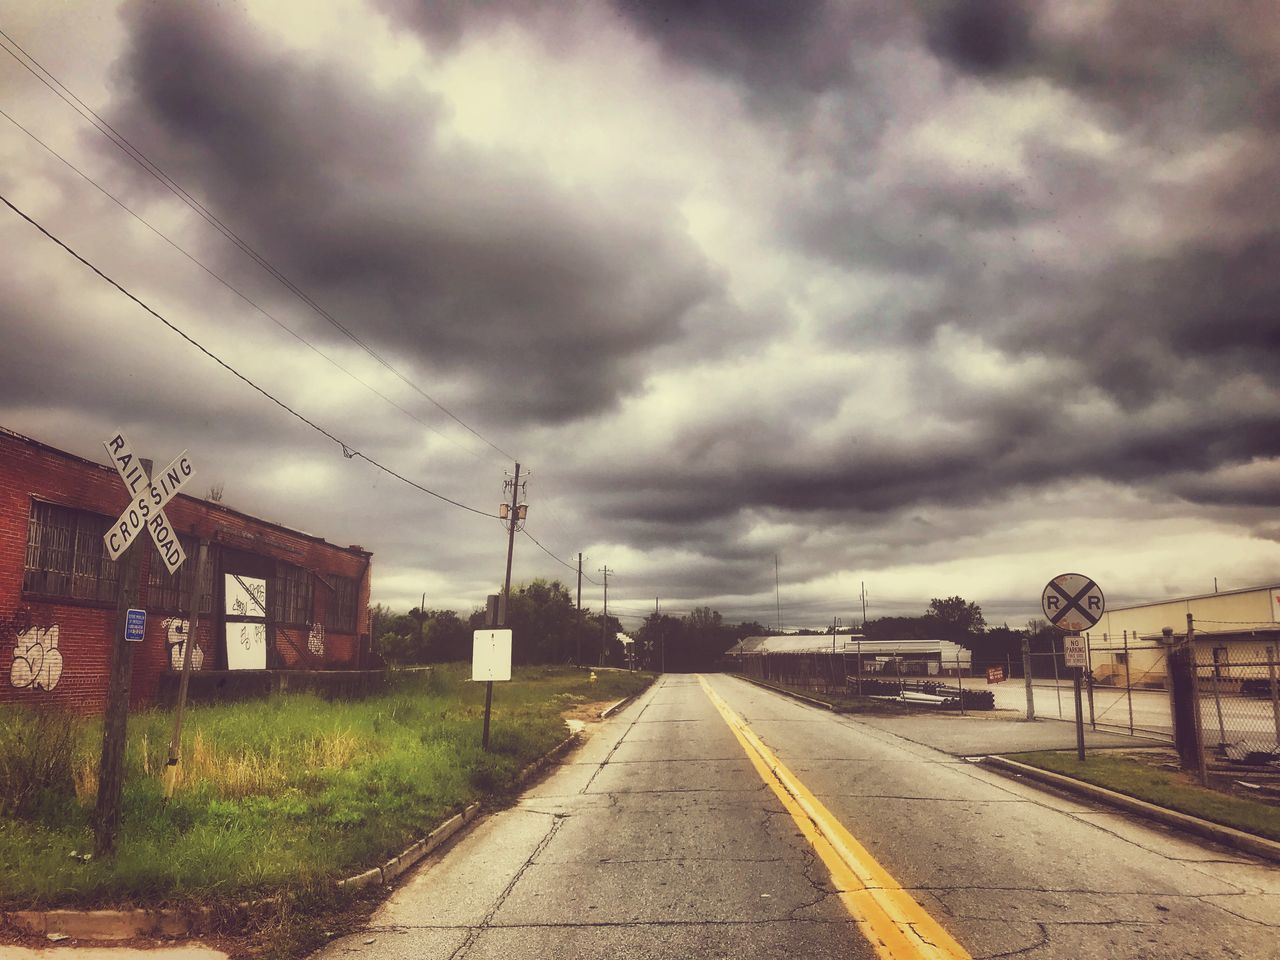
(491, 655)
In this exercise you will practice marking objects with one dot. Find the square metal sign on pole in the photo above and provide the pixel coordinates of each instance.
(491, 655)
(135, 625)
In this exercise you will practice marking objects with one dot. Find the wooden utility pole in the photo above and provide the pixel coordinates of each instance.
(511, 542)
(106, 818)
(422, 626)
(577, 656)
(777, 589)
(512, 520)
(115, 720)
(604, 620)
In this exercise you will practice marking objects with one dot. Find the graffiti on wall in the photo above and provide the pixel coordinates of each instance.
(176, 630)
(315, 640)
(37, 661)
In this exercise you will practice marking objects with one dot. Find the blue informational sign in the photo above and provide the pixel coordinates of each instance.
(135, 623)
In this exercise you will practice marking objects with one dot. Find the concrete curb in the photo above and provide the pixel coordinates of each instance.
(1227, 836)
(613, 708)
(180, 922)
(821, 704)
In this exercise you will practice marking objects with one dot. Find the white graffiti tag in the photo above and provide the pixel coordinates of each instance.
(175, 637)
(37, 662)
(315, 641)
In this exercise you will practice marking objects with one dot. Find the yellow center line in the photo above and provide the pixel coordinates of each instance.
(889, 917)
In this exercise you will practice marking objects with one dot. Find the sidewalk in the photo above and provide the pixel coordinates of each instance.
(983, 733)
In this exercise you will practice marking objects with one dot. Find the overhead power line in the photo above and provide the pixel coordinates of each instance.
(571, 566)
(226, 283)
(36, 69)
(347, 450)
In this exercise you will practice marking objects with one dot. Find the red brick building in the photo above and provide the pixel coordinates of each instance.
(274, 600)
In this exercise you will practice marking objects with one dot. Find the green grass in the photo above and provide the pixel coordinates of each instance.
(280, 793)
(1137, 777)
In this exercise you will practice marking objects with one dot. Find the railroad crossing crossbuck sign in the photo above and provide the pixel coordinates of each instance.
(1072, 602)
(150, 494)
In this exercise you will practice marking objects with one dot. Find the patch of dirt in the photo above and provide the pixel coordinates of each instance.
(588, 712)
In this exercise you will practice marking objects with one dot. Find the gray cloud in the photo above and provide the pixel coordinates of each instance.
(1047, 232)
(444, 254)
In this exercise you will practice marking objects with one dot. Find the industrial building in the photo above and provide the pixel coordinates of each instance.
(1237, 633)
(275, 603)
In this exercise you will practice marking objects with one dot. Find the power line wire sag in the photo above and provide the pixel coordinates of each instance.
(90, 116)
(347, 450)
(226, 283)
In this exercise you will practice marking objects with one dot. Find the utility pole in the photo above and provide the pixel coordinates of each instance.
(662, 644)
(115, 720)
(604, 620)
(864, 604)
(422, 626)
(513, 517)
(577, 660)
(835, 627)
(777, 588)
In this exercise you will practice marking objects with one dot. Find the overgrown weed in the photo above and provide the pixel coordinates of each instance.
(272, 793)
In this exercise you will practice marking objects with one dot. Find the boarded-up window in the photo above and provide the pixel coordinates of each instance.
(171, 592)
(291, 595)
(342, 609)
(66, 556)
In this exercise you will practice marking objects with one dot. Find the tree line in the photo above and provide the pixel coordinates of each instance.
(549, 628)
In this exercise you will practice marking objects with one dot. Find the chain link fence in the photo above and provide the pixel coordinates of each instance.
(1125, 687)
(1239, 699)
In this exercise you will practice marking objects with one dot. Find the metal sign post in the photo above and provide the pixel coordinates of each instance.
(1073, 646)
(490, 661)
(175, 742)
(1073, 602)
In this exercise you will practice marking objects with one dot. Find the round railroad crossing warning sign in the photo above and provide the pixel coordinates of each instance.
(1073, 602)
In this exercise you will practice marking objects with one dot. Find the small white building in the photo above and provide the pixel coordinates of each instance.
(896, 657)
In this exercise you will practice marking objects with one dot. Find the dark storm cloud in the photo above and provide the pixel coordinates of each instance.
(984, 36)
(1177, 315)
(770, 46)
(451, 256)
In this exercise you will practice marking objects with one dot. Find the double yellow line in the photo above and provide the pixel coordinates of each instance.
(889, 917)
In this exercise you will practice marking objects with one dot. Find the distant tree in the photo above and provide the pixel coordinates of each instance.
(999, 646)
(955, 618)
(901, 628)
(448, 638)
(749, 628)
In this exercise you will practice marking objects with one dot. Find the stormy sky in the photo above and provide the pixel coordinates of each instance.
(943, 297)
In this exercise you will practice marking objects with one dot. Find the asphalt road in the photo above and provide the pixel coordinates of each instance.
(663, 837)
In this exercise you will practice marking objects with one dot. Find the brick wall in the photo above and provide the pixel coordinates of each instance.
(82, 629)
